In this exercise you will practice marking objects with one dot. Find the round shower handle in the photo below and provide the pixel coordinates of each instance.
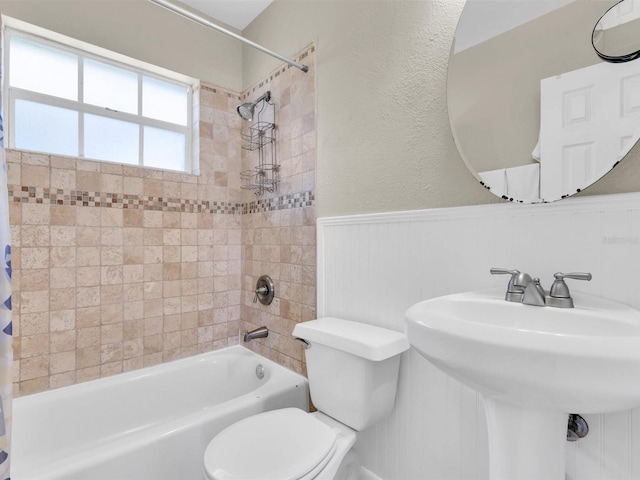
(265, 290)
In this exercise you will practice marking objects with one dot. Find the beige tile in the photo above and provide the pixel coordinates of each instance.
(132, 218)
(88, 296)
(63, 277)
(88, 276)
(34, 324)
(62, 362)
(62, 298)
(88, 236)
(63, 236)
(63, 179)
(132, 186)
(112, 255)
(88, 216)
(111, 334)
(34, 345)
(36, 176)
(34, 367)
(35, 385)
(35, 214)
(111, 217)
(32, 280)
(88, 316)
(111, 352)
(87, 357)
(68, 163)
(60, 320)
(62, 257)
(34, 302)
(111, 183)
(86, 374)
(63, 215)
(87, 181)
(88, 337)
(62, 379)
(63, 341)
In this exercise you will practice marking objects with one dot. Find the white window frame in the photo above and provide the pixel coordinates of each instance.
(12, 28)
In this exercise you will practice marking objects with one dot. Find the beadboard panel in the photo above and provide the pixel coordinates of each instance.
(372, 268)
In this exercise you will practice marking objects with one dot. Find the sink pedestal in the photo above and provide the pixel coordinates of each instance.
(525, 444)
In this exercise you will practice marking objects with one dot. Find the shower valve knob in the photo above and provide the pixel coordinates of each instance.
(265, 290)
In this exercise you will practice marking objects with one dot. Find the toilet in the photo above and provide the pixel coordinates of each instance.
(353, 374)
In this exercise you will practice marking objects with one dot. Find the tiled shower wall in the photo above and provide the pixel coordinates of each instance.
(118, 267)
(278, 229)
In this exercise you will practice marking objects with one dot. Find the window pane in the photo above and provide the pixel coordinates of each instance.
(108, 139)
(43, 69)
(112, 87)
(164, 149)
(44, 128)
(164, 101)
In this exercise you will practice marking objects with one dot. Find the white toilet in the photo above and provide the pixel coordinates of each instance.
(353, 374)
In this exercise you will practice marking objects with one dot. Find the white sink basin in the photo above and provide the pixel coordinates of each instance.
(533, 365)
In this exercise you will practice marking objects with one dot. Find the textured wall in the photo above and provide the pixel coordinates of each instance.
(384, 141)
(141, 30)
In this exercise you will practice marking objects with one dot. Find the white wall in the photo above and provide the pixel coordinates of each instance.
(371, 268)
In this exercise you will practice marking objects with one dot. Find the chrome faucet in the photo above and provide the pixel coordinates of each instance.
(517, 283)
(524, 289)
(260, 332)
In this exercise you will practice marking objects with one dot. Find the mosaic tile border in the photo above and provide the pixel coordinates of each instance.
(53, 196)
(57, 196)
(284, 202)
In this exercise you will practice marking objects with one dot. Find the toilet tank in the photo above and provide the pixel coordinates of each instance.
(352, 368)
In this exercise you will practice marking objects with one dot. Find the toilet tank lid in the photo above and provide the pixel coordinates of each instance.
(361, 339)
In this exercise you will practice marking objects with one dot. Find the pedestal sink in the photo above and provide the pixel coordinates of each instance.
(533, 366)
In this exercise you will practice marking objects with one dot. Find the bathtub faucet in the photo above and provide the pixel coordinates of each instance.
(261, 332)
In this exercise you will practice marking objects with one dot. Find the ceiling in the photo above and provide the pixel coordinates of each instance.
(236, 13)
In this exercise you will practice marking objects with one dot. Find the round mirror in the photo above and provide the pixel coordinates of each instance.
(536, 115)
(616, 36)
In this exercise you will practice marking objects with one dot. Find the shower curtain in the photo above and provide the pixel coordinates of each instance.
(6, 348)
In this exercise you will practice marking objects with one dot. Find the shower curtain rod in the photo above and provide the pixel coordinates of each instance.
(203, 21)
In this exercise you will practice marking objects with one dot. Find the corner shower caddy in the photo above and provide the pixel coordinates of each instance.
(260, 137)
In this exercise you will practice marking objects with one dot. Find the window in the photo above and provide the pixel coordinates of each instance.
(68, 101)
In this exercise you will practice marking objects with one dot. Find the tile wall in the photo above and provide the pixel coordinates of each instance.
(278, 229)
(118, 267)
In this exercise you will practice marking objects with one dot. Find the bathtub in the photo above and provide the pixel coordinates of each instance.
(153, 423)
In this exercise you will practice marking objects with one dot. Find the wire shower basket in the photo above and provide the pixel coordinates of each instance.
(260, 137)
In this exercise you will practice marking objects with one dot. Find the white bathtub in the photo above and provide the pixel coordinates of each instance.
(153, 423)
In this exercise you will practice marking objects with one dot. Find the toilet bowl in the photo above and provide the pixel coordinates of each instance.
(353, 373)
(285, 444)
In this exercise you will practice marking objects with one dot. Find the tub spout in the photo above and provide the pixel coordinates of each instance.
(261, 332)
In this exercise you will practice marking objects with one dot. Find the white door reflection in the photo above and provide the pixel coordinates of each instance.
(590, 119)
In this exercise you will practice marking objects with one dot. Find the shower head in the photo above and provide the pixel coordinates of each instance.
(246, 109)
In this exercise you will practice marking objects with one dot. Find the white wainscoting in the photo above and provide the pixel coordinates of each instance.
(371, 268)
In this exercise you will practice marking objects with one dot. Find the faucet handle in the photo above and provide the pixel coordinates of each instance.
(518, 281)
(503, 271)
(559, 288)
(575, 276)
(515, 288)
(559, 295)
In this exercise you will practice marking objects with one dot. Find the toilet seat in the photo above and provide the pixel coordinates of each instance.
(285, 444)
